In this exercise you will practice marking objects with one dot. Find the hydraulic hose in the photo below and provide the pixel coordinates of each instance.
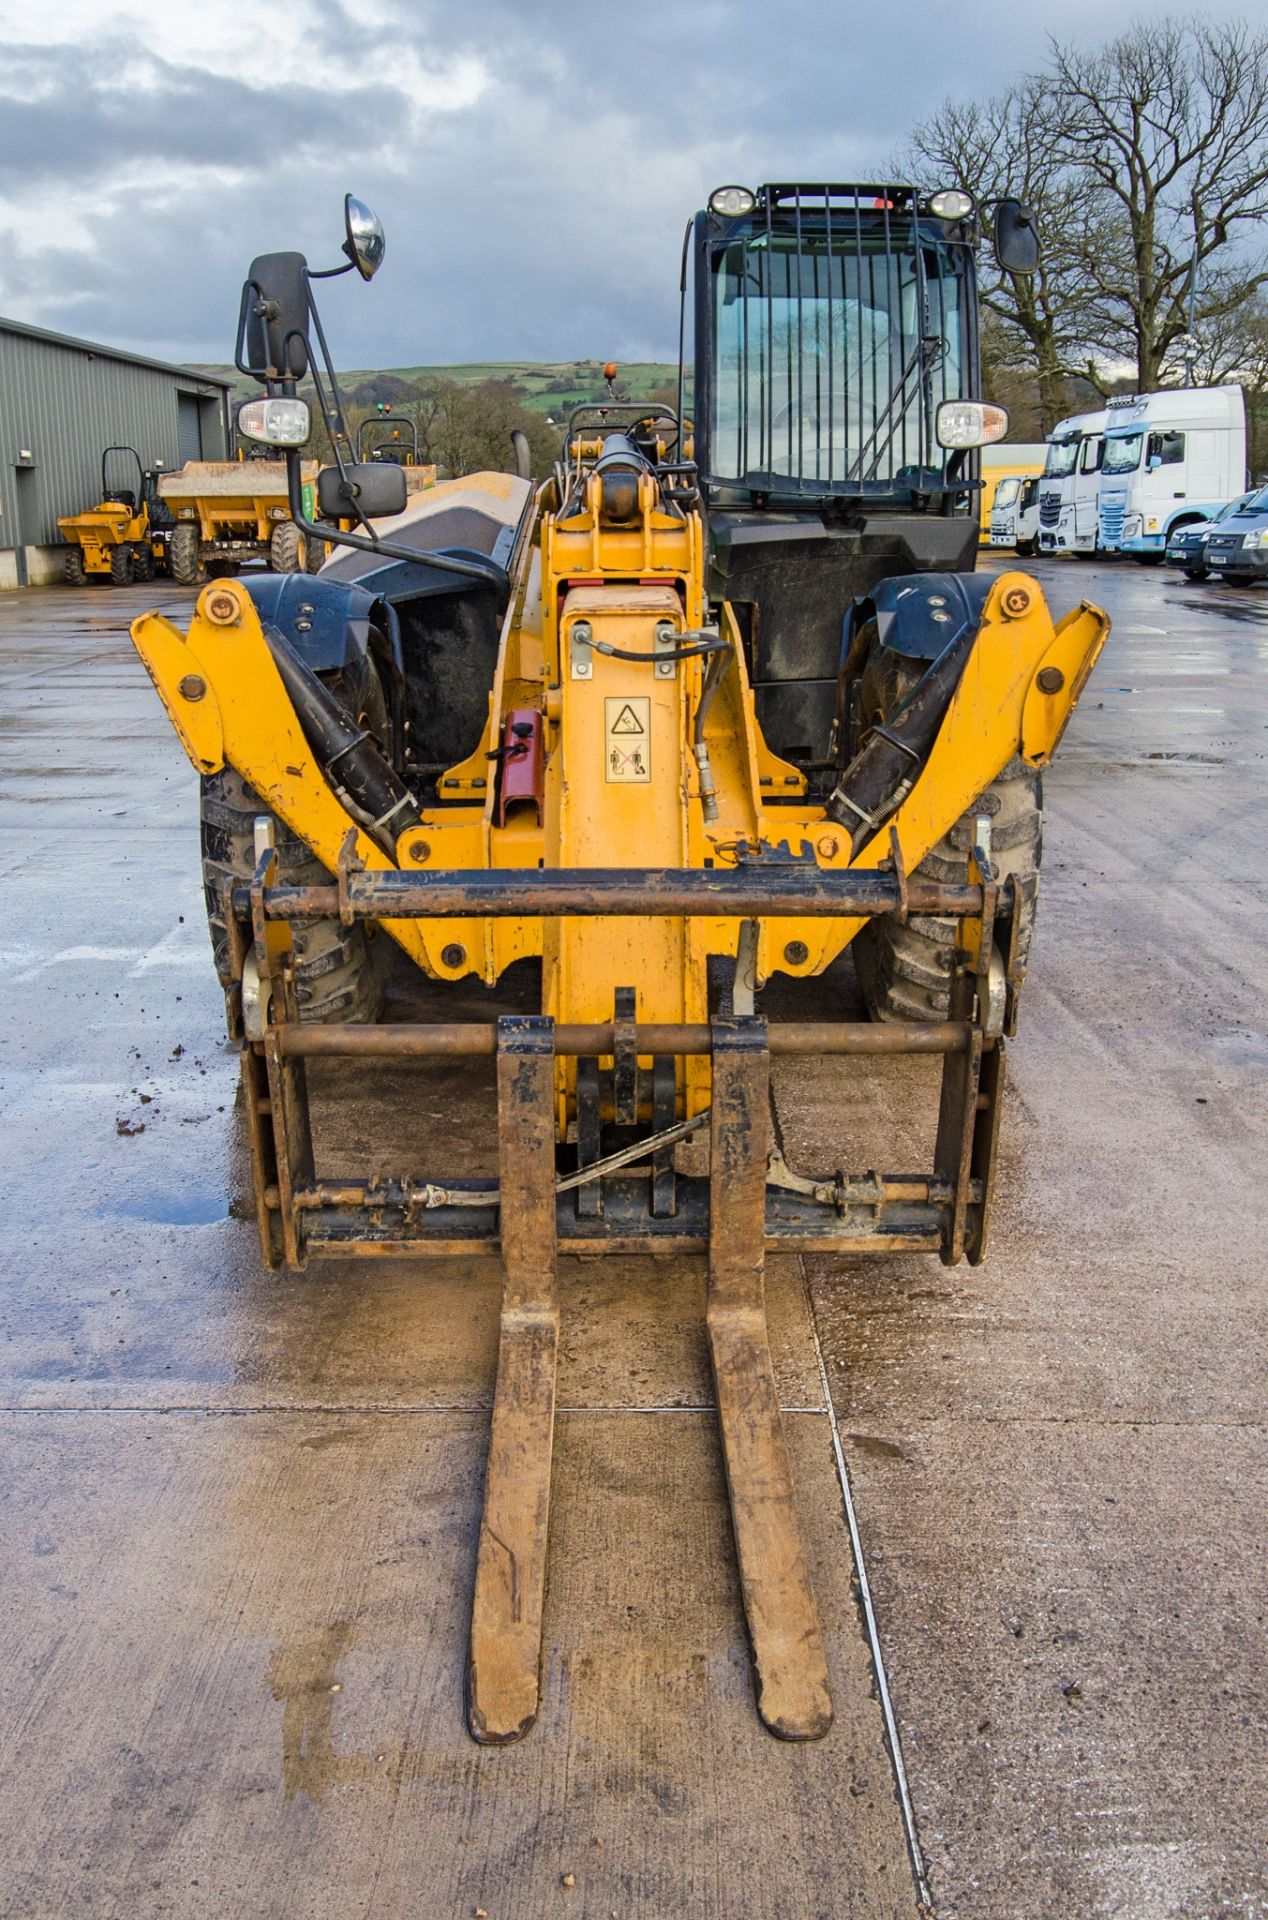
(886, 766)
(349, 756)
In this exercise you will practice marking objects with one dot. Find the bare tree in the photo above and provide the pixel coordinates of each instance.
(1012, 146)
(1167, 128)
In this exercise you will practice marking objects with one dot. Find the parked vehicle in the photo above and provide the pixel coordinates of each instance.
(1018, 459)
(1186, 547)
(125, 536)
(1237, 549)
(228, 511)
(1071, 483)
(1171, 460)
(1015, 514)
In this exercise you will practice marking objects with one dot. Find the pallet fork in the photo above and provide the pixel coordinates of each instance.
(748, 1202)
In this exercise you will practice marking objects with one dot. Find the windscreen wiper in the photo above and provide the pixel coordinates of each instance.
(923, 358)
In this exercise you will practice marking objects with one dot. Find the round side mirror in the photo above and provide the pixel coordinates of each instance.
(365, 244)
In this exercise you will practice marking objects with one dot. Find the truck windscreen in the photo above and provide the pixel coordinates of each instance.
(832, 352)
(1062, 455)
(1122, 453)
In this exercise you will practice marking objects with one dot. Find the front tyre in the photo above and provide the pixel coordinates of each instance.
(121, 566)
(184, 556)
(904, 970)
(286, 549)
(339, 971)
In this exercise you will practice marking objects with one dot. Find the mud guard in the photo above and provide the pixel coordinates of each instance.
(917, 615)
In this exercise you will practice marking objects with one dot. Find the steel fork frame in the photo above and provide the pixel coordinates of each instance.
(732, 1216)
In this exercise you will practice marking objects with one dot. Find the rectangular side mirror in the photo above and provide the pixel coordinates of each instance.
(378, 489)
(1016, 237)
(273, 318)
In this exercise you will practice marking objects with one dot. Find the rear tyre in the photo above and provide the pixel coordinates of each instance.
(340, 973)
(286, 549)
(184, 556)
(314, 553)
(905, 971)
(74, 572)
(121, 566)
(142, 563)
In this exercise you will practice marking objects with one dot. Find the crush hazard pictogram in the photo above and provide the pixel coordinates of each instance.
(627, 755)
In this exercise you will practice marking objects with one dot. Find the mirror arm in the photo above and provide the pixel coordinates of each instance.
(330, 273)
(249, 289)
(338, 427)
(489, 572)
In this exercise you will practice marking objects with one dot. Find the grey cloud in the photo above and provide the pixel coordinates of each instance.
(542, 220)
(75, 116)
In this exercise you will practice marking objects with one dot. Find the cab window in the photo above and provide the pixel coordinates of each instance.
(1090, 455)
(1165, 449)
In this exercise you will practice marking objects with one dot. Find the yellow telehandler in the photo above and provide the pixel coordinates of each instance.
(704, 706)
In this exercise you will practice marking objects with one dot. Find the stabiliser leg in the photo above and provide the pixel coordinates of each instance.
(506, 1615)
(790, 1669)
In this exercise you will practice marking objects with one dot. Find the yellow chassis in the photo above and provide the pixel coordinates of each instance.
(227, 702)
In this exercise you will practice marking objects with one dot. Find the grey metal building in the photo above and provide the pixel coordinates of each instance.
(61, 402)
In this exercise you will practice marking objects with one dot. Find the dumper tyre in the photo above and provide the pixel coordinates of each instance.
(314, 553)
(74, 572)
(286, 549)
(142, 563)
(121, 566)
(340, 972)
(904, 971)
(184, 556)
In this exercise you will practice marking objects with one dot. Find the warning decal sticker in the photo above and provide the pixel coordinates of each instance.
(627, 746)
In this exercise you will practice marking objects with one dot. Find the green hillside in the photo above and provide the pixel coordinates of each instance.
(548, 387)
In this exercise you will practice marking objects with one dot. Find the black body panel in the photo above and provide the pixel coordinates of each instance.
(449, 628)
(793, 579)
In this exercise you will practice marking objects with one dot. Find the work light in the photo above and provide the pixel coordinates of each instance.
(951, 204)
(970, 423)
(275, 423)
(731, 201)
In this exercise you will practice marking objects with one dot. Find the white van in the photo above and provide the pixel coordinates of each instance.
(1171, 459)
(1015, 513)
(1070, 484)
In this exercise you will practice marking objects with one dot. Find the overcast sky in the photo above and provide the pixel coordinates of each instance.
(534, 161)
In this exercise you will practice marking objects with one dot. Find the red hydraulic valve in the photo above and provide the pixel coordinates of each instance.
(523, 758)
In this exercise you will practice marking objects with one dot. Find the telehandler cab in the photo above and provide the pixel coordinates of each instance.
(725, 693)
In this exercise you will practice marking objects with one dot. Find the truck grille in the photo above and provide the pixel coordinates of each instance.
(1112, 511)
(1049, 508)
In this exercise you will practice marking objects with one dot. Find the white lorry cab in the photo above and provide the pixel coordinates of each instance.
(1171, 459)
(1070, 485)
(1015, 513)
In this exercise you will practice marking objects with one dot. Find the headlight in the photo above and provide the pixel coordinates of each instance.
(1260, 539)
(951, 204)
(730, 201)
(1131, 525)
(970, 423)
(275, 423)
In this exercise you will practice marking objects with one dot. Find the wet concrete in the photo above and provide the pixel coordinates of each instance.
(239, 1508)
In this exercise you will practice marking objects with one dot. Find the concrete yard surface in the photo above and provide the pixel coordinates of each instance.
(239, 1509)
